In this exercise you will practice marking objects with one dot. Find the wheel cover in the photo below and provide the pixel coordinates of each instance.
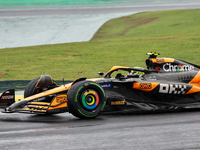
(90, 99)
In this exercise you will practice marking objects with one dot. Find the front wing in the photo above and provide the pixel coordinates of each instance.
(48, 104)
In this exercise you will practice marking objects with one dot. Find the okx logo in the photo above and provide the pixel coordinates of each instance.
(172, 88)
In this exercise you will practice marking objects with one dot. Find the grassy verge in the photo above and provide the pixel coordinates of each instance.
(123, 41)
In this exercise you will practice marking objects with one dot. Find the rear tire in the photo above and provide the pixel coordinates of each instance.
(31, 88)
(86, 99)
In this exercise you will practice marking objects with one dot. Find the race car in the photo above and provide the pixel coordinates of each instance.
(166, 84)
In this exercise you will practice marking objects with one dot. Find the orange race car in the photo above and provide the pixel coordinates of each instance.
(166, 84)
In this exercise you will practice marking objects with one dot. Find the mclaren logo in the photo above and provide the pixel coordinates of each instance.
(145, 85)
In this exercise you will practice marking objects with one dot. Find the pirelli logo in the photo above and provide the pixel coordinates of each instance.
(145, 85)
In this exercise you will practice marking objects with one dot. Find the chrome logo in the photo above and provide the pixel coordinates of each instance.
(179, 68)
(170, 67)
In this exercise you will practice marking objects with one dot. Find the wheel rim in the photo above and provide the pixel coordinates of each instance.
(90, 99)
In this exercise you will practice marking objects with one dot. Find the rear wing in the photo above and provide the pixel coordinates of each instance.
(7, 98)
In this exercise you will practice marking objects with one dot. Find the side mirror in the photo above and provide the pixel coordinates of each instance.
(101, 73)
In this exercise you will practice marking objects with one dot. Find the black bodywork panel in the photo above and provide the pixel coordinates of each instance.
(174, 82)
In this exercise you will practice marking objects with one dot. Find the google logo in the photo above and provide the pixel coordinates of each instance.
(179, 68)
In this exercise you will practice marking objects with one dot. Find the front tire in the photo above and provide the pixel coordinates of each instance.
(86, 99)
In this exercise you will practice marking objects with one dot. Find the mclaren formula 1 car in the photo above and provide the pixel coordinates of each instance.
(166, 84)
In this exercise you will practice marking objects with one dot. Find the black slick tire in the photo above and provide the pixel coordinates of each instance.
(31, 88)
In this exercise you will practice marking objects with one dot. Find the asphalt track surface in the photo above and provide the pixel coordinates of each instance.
(162, 131)
(27, 26)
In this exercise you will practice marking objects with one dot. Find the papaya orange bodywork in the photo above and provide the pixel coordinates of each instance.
(59, 102)
(194, 89)
(149, 86)
(59, 106)
(196, 80)
(162, 60)
(49, 92)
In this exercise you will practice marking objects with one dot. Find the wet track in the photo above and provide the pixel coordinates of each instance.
(21, 26)
(163, 131)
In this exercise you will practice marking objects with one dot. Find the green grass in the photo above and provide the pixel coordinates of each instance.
(123, 41)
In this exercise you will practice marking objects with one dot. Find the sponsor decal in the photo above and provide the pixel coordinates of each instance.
(152, 78)
(145, 85)
(61, 99)
(106, 85)
(39, 99)
(160, 60)
(158, 68)
(8, 97)
(169, 67)
(118, 103)
(185, 78)
(172, 88)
